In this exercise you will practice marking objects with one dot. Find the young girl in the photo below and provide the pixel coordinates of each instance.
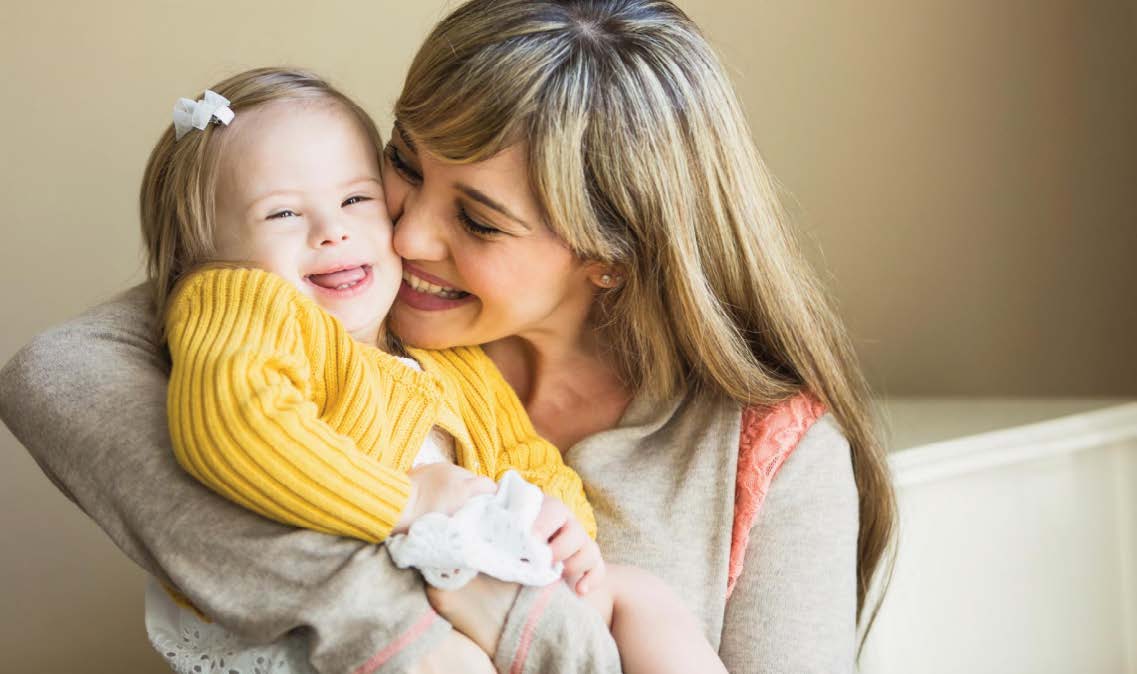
(270, 246)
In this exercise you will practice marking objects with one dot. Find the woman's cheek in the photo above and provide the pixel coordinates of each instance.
(394, 192)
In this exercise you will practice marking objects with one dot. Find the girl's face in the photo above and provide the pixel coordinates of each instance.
(300, 194)
(479, 263)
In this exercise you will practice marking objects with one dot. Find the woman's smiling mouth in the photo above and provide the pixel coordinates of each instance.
(422, 285)
(422, 291)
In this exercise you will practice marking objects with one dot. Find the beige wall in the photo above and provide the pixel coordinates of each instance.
(969, 169)
(966, 171)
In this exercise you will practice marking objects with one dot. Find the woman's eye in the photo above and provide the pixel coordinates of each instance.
(474, 226)
(354, 200)
(282, 214)
(401, 166)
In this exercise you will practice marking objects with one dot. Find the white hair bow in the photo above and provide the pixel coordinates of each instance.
(197, 114)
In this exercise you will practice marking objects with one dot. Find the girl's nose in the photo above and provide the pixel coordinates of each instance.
(334, 239)
(327, 232)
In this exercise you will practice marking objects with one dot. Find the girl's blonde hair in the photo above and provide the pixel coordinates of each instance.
(180, 183)
(639, 153)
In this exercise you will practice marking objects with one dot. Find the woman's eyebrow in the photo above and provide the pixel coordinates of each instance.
(484, 199)
(476, 195)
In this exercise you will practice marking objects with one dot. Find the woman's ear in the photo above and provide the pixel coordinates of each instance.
(605, 275)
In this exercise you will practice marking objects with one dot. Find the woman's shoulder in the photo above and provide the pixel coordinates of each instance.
(770, 433)
(795, 441)
(815, 487)
(821, 462)
(770, 436)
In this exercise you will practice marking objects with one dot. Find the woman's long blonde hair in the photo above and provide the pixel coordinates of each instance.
(641, 157)
(179, 186)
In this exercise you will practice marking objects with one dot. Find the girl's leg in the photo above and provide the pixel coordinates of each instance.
(654, 631)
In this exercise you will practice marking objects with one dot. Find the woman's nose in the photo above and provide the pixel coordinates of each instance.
(418, 234)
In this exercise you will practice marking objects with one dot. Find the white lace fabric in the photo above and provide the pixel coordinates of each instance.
(192, 646)
(491, 534)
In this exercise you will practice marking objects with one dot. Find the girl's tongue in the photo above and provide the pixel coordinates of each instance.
(339, 278)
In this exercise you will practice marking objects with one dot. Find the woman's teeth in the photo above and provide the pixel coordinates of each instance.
(431, 289)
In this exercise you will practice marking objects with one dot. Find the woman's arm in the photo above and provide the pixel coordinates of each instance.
(550, 630)
(88, 400)
(794, 607)
(537, 630)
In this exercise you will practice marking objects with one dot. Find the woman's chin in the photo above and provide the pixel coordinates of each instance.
(426, 331)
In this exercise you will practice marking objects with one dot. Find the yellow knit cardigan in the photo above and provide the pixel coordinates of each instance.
(273, 405)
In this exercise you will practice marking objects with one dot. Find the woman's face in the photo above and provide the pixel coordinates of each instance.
(479, 262)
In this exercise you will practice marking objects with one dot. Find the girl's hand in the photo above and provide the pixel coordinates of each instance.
(584, 566)
(440, 488)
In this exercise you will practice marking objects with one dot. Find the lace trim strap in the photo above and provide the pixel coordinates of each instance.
(769, 435)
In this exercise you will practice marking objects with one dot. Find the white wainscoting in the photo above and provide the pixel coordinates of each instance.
(1018, 544)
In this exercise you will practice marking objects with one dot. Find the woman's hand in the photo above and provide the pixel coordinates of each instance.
(440, 488)
(478, 609)
(584, 565)
(456, 653)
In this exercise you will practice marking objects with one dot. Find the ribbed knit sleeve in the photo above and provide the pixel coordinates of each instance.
(243, 412)
(495, 417)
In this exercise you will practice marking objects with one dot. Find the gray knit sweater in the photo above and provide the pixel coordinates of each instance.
(88, 400)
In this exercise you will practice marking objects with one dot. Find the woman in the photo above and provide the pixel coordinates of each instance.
(575, 187)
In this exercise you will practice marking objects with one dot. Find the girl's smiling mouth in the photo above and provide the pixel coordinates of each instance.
(341, 282)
